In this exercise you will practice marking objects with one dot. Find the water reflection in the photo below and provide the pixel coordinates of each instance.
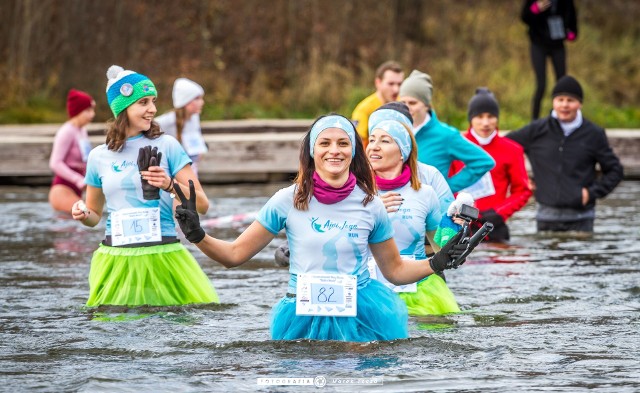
(547, 312)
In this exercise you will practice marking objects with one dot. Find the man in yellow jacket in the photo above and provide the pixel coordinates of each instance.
(389, 76)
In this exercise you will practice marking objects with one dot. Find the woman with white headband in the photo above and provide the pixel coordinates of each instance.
(393, 155)
(333, 222)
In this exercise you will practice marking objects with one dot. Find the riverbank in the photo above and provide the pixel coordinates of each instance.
(240, 151)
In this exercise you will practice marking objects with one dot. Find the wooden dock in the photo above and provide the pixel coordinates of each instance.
(239, 151)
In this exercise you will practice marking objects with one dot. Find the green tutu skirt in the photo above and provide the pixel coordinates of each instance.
(433, 297)
(164, 275)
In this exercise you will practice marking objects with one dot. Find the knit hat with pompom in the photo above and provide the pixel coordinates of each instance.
(126, 87)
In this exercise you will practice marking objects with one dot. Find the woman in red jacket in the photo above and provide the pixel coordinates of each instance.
(505, 189)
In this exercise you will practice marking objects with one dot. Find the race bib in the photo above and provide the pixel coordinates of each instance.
(482, 188)
(194, 144)
(376, 274)
(135, 225)
(327, 295)
(556, 27)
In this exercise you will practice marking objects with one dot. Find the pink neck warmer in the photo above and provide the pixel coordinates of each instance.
(328, 195)
(392, 184)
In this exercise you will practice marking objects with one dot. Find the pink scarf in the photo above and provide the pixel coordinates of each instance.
(328, 195)
(392, 184)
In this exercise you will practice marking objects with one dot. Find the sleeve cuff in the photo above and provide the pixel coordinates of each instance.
(534, 8)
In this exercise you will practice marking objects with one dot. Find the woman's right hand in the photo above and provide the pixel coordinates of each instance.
(543, 4)
(392, 201)
(79, 211)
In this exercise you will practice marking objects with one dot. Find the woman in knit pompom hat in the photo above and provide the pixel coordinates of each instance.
(140, 261)
(184, 121)
(71, 148)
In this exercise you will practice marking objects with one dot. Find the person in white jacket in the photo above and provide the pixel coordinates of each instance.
(183, 122)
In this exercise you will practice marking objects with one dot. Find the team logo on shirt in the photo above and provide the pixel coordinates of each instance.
(121, 166)
(329, 225)
(315, 226)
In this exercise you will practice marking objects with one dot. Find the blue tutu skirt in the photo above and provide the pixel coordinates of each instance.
(381, 315)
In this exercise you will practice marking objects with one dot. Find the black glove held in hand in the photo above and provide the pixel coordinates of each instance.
(148, 157)
(446, 257)
(500, 232)
(187, 215)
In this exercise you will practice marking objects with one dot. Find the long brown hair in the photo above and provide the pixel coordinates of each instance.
(412, 161)
(360, 167)
(181, 118)
(117, 131)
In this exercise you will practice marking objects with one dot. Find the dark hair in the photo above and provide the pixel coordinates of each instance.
(360, 167)
(388, 66)
(117, 131)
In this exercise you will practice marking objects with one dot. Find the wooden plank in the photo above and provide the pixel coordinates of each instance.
(233, 156)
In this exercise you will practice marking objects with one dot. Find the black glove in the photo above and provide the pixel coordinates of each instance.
(282, 254)
(187, 215)
(500, 232)
(446, 257)
(149, 157)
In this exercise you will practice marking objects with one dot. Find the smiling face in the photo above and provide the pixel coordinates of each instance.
(384, 154)
(484, 124)
(332, 155)
(566, 107)
(140, 115)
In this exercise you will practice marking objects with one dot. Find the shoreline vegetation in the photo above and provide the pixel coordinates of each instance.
(298, 59)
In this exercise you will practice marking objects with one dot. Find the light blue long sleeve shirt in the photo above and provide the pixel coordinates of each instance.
(439, 144)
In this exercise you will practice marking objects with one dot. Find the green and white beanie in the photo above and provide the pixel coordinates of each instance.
(126, 87)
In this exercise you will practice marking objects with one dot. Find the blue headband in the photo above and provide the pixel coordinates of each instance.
(333, 121)
(399, 134)
(388, 114)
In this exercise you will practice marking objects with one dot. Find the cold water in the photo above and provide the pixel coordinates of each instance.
(548, 313)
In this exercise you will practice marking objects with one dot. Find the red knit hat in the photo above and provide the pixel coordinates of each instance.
(77, 101)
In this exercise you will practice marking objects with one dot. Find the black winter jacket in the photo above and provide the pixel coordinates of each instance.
(538, 28)
(562, 166)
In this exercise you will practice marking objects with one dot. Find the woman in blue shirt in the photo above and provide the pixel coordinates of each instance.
(333, 222)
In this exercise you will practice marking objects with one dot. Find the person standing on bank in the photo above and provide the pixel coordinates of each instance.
(550, 23)
(505, 189)
(563, 149)
(333, 221)
(183, 123)
(439, 143)
(389, 76)
(71, 148)
(140, 261)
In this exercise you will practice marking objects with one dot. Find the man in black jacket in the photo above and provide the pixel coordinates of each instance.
(563, 150)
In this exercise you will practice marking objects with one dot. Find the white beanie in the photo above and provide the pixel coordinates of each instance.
(184, 91)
